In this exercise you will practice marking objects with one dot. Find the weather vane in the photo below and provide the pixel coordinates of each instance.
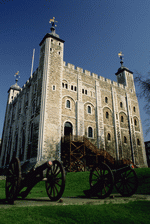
(53, 21)
(17, 76)
(120, 55)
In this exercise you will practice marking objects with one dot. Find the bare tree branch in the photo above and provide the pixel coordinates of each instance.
(144, 84)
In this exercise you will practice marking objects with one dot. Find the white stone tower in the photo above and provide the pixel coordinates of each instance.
(125, 77)
(7, 135)
(51, 68)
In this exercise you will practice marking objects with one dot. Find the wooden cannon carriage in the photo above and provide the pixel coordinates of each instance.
(108, 173)
(102, 180)
(21, 179)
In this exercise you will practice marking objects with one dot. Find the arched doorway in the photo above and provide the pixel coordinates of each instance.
(68, 128)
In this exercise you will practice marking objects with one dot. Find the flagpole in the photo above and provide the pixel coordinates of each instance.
(32, 62)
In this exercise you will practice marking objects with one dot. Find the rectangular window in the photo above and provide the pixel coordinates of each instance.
(54, 88)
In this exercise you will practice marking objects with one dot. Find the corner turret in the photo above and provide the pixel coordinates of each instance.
(14, 89)
(124, 75)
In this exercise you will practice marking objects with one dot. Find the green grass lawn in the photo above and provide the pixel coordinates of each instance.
(132, 212)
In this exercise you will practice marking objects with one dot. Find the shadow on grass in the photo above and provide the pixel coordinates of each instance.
(3, 201)
(33, 199)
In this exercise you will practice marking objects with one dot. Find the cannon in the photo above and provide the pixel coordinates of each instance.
(21, 179)
(102, 179)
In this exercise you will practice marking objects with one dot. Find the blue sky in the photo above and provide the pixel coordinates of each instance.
(94, 31)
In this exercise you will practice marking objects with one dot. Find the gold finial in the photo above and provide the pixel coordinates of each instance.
(53, 21)
(120, 55)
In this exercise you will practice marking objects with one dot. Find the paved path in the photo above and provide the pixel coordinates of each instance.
(115, 199)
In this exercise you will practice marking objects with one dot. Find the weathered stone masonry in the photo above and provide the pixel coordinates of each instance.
(60, 99)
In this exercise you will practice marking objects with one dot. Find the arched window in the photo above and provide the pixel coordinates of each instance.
(125, 139)
(106, 99)
(107, 115)
(108, 137)
(122, 119)
(138, 141)
(121, 104)
(135, 122)
(134, 109)
(90, 132)
(68, 103)
(68, 128)
(89, 110)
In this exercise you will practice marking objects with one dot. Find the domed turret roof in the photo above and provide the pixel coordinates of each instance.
(122, 68)
(15, 87)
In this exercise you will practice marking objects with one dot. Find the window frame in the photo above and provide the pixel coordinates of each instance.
(67, 104)
(106, 99)
(90, 132)
(122, 119)
(107, 115)
(109, 137)
(138, 142)
(89, 107)
(125, 140)
(135, 122)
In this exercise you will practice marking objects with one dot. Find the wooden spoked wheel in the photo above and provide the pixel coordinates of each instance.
(55, 183)
(126, 182)
(101, 180)
(13, 180)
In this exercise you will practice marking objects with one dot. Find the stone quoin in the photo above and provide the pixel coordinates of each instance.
(61, 99)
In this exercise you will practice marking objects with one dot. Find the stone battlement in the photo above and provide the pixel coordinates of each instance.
(95, 76)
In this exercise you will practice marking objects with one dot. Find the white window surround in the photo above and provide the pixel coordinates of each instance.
(68, 121)
(89, 108)
(67, 104)
(88, 134)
